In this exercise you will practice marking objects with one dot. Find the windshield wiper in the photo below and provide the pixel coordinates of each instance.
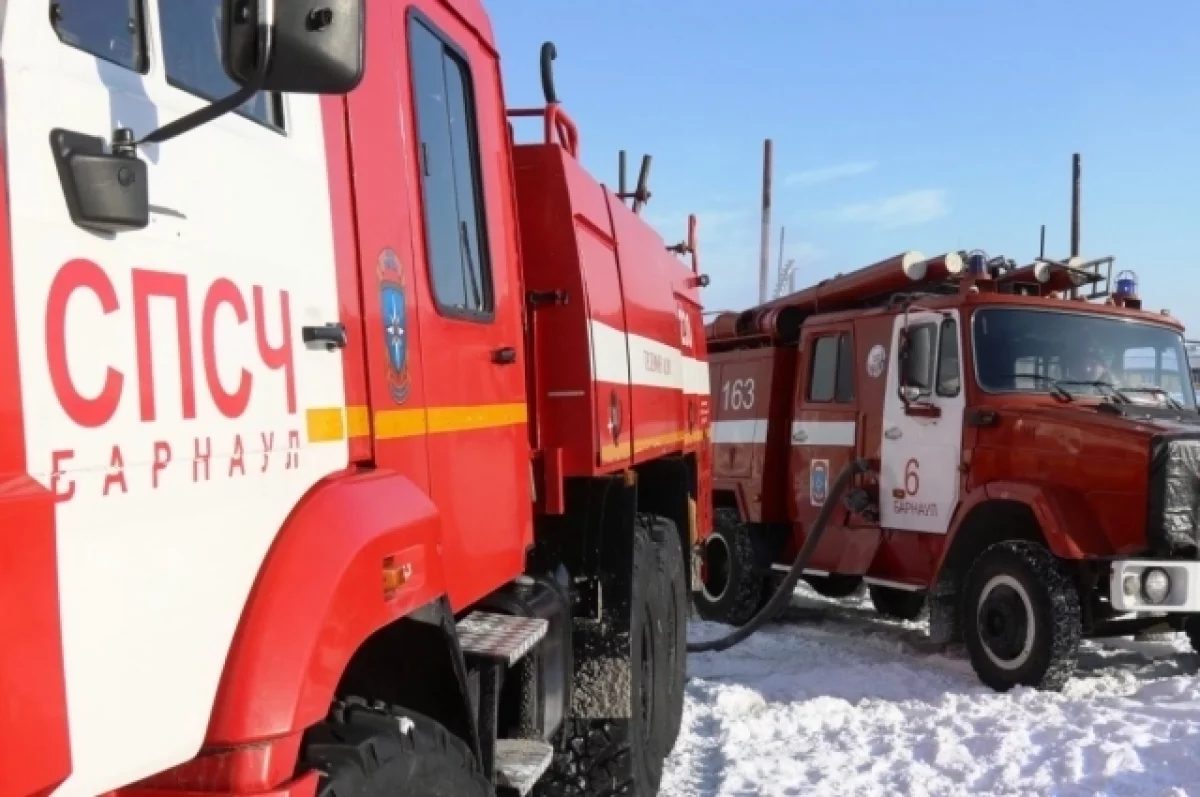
(1158, 391)
(1113, 392)
(1054, 384)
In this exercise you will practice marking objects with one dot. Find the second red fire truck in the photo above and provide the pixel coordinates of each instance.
(1033, 448)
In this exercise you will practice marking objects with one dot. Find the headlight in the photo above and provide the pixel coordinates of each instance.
(1156, 585)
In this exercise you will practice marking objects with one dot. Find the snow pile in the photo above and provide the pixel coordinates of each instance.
(835, 700)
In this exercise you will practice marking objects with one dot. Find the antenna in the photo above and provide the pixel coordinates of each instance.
(621, 175)
(787, 279)
(641, 194)
(1042, 246)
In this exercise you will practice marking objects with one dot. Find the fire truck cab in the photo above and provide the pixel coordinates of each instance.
(1034, 451)
(347, 446)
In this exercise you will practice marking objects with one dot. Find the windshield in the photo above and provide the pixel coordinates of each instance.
(1037, 351)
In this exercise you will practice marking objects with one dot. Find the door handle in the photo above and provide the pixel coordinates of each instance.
(332, 336)
(895, 433)
(504, 356)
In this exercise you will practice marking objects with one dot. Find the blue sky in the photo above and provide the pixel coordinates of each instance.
(896, 125)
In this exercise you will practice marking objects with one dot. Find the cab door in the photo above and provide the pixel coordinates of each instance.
(472, 346)
(922, 423)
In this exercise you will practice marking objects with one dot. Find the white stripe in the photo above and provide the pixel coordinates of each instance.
(823, 433)
(695, 377)
(610, 355)
(751, 431)
(652, 364)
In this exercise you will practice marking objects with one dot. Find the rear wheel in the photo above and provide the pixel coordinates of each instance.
(672, 579)
(364, 751)
(1020, 617)
(897, 603)
(835, 585)
(733, 583)
(611, 757)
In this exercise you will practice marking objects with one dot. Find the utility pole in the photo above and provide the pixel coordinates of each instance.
(765, 253)
(1076, 174)
(1076, 179)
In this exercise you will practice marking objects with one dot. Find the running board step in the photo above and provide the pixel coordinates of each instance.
(500, 637)
(520, 763)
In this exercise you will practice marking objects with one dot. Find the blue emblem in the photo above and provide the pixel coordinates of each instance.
(395, 323)
(818, 481)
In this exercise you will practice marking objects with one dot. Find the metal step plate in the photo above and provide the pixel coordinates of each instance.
(500, 637)
(520, 763)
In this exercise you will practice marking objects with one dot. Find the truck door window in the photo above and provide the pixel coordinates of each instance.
(948, 380)
(918, 363)
(114, 30)
(822, 378)
(451, 183)
(191, 33)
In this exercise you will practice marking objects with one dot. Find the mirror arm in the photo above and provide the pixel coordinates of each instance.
(214, 110)
(200, 117)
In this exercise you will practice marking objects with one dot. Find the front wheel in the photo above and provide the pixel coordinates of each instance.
(1191, 627)
(1020, 617)
(364, 751)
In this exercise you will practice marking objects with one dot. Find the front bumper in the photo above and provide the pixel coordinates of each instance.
(1183, 596)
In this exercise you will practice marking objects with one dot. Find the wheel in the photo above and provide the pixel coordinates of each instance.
(672, 579)
(771, 584)
(1191, 627)
(610, 757)
(733, 584)
(1020, 617)
(898, 603)
(364, 751)
(835, 585)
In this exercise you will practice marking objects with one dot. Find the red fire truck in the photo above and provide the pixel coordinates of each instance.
(1032, 445)
(347, 447)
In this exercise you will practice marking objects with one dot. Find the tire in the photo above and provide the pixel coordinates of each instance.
(771, 584)
(364, 751)
(1020, 617)
(672, 580)
(734, 584)
(610, 757)
(1191, 627)
(897, 603)
(835, 585)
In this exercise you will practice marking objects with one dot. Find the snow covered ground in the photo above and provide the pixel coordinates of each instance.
(835, 700)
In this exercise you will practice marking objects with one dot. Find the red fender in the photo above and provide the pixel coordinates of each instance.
(33, 695)
(1070, 526)
(33, 699)
(319, 596)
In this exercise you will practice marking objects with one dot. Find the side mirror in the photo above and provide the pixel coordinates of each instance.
(294, 46)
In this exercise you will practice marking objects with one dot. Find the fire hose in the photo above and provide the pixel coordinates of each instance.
(783, 594)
